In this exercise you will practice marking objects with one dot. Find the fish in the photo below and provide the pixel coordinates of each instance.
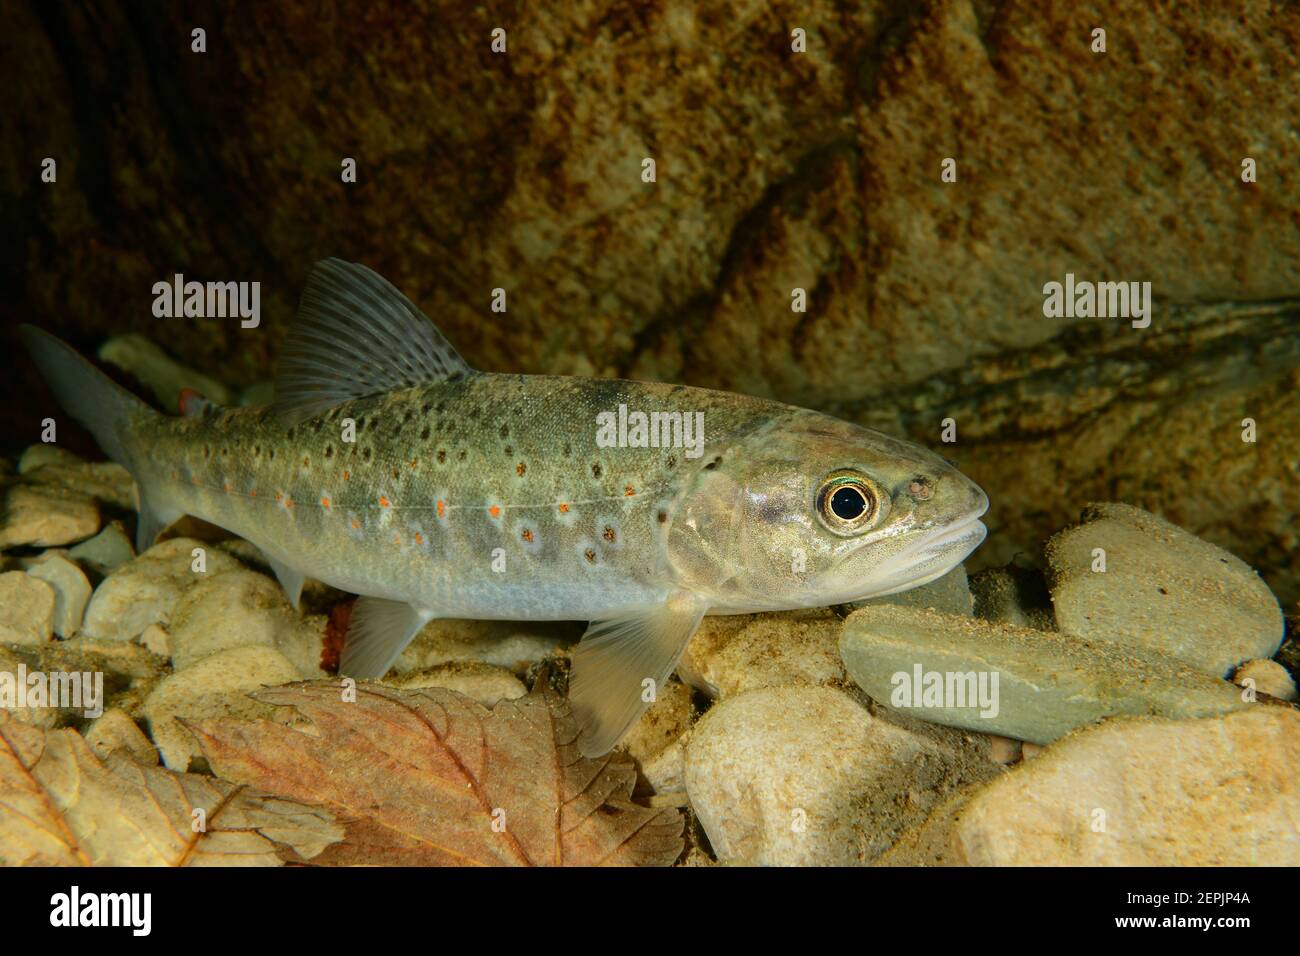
(386, 467)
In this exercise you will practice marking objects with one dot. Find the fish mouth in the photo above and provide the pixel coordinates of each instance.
(934, 555)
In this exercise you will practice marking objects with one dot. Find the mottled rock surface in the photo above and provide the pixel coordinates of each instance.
(1146, 792)
(1162, 590)
(808, 776)
(1047, 683)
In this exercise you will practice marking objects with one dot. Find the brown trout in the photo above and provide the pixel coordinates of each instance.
(389, 468)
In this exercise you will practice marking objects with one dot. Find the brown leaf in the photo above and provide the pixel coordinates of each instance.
(61, 805)
(419, 776)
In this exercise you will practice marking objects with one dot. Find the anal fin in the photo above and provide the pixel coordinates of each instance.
(613, 661)
(377, 634)
(151, 518)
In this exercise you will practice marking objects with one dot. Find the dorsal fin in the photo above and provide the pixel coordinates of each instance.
(356, 335)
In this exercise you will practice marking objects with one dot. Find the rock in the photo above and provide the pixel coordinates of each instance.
(104, 481)
(120, 675)
(106, 551)
(1004, 750)
(734, 653)
(807, 776)
(486, 683)
(950, 594)
(510, 644)
(163, 375)
(236, 608)
(45, 517)
(14, 671)
(1046, 683)
(71, 591)
(1163, 590)
(115, 731)
(656, 740)
(156, 640)
(215, 686)
(1013, 595)
(45, 453)
(1270, 678)
(1220, 791)
(26, 609)
(144, 591)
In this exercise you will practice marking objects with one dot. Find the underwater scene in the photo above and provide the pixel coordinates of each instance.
(689, 434)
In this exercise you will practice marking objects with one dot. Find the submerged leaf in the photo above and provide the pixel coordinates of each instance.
(430, 777)
(60, 805)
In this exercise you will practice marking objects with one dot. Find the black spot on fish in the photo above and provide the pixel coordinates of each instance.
(365, 454)
(442, 456)
(270, 453)
(609, 535)
(424, 433)
(672, 461)
(424, 409)
(329, 451)
(713, 464)
(567, 449)
(461, 456)
(590, 555)
(510, 450)
(662, 516)
(505, 431)
(290, 433)
(595, 469)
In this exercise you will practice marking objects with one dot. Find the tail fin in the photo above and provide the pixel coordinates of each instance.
(89, 396)
(104, 408)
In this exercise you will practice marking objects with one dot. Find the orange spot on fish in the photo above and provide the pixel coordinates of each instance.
(288, 502)
(227, 487)
(356, 524)
(347, 476)
(528, 535)
(324, 502)
(495, 511)
(419, 538)
(252, 493)
(383, 502)
(442, 509)
(629, 491)
(397, 538)
(564, 509)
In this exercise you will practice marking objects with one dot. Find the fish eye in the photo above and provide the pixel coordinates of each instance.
(848, 502)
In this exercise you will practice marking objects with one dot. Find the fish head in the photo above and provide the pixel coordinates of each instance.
(808, 510)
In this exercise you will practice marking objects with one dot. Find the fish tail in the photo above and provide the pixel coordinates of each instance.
(103, 407)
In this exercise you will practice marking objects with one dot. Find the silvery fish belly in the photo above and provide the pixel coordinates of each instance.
(388, 468)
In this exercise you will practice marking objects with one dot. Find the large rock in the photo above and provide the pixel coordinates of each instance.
(1146, 792)
(1162, 589)
(1017, 682)
(808, 776)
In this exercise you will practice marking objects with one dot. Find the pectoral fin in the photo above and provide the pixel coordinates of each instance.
(377, 634)
(614, 659)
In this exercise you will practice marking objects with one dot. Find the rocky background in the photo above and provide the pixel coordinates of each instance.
(775, 170)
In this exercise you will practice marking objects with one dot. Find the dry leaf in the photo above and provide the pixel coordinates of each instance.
(62, 805)
(420, 777)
